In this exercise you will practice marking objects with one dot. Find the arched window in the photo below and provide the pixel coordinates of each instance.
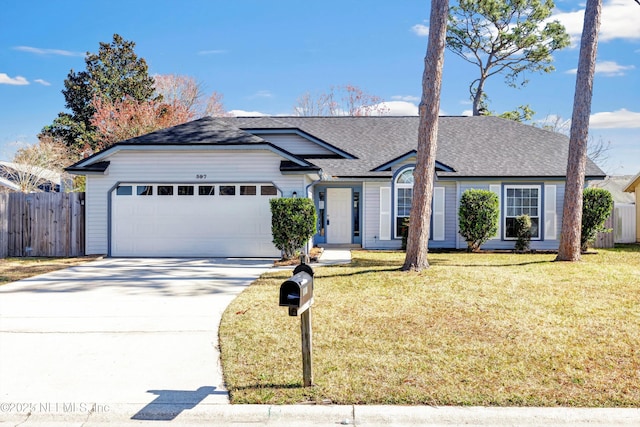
(403, 197)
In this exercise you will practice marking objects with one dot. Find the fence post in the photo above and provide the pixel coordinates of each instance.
(4, 222)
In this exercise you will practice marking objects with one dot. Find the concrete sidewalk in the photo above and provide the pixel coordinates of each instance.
(181, 414)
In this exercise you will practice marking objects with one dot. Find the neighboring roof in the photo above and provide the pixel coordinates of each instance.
(8, 184)
(36, 171)
(635, 181)
(480, 146)
(616, 186)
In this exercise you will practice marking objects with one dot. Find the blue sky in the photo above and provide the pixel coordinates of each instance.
(263, 54)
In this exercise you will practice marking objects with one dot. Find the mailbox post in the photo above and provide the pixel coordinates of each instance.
(296, 293)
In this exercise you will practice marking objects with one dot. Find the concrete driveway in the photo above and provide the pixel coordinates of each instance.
(139, 334)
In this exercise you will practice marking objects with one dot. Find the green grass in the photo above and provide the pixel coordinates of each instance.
(474, 329)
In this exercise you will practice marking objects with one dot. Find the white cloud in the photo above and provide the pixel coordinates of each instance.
(420, 30)
(213, 52)
(16, 81)
(42, 82)
(397, 108)
(608, 68)
(39, 51)
(408, 98)
(467, 113)
(243, 113)
(262, 94)
(620, 119)
(619, 21)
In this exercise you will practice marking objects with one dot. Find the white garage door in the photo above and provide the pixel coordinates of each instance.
(192, 220)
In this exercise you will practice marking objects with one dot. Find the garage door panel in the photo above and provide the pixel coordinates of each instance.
(192, 225)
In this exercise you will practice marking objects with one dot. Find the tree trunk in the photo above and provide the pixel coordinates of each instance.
(569, 249)
(477, 97)
(424, 173)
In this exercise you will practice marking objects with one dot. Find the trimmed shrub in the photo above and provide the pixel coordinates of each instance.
(523, 232)
(597, 204)
(478, 215)
(293, 223)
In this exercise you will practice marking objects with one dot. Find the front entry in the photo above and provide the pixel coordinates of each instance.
(339, 217)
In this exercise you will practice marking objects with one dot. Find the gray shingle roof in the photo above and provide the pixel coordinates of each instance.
(207, 130)
(484, 146)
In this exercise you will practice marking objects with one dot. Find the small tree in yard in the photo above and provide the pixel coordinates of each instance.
(478, 213)
(596, 208)
(523, 232)
(293, 223)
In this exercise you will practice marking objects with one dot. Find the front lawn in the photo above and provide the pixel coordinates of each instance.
(474, 329)
(13, 269)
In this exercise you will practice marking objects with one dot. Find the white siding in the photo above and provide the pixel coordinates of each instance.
(297, 144)
(96, 205)
(177, 167)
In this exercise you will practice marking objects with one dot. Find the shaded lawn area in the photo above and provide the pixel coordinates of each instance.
(474, 329)
(13, 269)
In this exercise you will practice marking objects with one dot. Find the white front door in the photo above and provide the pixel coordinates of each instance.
(339, 215)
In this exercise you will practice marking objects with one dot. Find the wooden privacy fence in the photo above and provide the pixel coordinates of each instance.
(41, 224)
(622, 222)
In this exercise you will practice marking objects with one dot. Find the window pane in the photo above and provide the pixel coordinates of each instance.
(405, 196)
(400, 226)
(185, 190)
(522, 201)
(405, 177)
(144, 190)
(510, 228)
(206, 190)
(247, 190)
(535, 229)
(268, 190)
(124, 190)
(165, 190)
(227, 190)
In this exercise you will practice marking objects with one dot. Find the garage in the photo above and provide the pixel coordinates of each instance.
(192, 220)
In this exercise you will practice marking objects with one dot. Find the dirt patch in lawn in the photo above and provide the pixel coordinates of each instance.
(13, 269)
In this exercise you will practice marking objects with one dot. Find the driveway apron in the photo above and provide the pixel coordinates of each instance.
(140, 332)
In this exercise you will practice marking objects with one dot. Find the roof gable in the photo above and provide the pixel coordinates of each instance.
(207, 133)
(440, 167)
(323, 149)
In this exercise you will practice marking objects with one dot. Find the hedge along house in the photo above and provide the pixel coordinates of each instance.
(202, 188)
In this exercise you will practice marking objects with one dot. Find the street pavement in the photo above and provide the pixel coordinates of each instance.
(128, 342)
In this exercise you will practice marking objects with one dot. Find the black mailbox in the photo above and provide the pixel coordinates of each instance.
(297, 291)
